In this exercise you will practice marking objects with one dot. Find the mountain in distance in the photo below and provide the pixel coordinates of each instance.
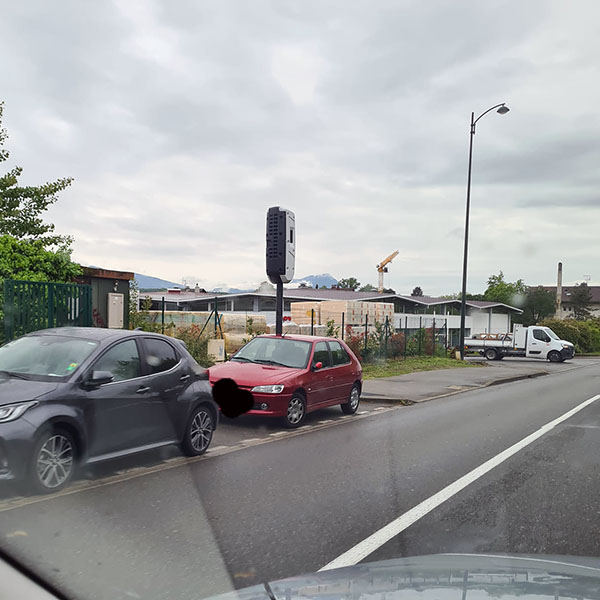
(323, 280)
(145, 282)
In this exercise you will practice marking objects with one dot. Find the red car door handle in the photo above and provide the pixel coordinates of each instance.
(142, 390)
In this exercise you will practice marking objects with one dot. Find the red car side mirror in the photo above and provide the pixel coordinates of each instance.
(318, 365)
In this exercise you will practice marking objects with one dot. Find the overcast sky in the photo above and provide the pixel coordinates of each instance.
(182, 122)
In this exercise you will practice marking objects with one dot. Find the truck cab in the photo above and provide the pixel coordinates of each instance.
(542, 342)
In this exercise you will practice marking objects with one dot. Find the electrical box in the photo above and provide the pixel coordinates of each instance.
(216, 350)
(116, 311)
(281, 244)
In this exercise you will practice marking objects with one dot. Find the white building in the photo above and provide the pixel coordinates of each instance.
(410, 312)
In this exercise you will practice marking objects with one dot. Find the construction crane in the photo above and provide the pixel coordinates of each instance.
(382, 268)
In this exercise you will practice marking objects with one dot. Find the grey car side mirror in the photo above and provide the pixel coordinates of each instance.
(98, 378)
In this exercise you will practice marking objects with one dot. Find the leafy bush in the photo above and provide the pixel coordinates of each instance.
(355, 342)
(396, 343)
(332, 330)
(196, 344)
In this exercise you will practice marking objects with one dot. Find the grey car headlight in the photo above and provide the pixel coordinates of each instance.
(268, 389)
(10, 412)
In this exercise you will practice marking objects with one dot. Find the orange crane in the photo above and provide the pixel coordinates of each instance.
(382, 268)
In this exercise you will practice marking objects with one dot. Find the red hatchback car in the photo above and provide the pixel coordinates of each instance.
(292, 375)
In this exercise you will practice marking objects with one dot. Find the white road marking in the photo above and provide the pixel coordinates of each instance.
(392, 529)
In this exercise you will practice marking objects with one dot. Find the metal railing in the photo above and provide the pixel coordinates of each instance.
(32, 305)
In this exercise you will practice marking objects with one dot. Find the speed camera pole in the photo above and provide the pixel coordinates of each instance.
(280, 255)
(279, 309)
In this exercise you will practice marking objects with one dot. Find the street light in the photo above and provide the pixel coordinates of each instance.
(502, 110)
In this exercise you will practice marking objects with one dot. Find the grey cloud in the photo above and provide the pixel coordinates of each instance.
(173, 111)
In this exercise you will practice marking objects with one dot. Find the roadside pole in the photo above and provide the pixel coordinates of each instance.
(162, 316)
(279, 309)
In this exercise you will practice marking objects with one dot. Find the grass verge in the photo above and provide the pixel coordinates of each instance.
(412, 364)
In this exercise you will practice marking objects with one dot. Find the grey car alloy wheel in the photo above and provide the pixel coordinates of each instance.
(201, 431)
(54, 462)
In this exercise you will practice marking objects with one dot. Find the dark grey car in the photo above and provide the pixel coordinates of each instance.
(78, 395)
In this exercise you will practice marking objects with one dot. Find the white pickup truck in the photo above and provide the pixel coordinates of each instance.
(532, 342)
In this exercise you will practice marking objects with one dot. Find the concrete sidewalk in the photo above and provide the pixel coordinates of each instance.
(427, 385)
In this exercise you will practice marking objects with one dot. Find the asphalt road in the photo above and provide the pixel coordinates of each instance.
(281, 505)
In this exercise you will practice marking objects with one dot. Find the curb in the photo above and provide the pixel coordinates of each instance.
(500, 381)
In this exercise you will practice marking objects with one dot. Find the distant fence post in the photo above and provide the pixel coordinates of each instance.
(433, 338)
(50, 306)
(387, 333)
(312, 321)
(420, 333)
(162, 315)
(405, 335)
(343, 315)
(216, 317)
(366, 330)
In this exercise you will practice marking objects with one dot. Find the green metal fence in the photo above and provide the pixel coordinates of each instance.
(32, 305)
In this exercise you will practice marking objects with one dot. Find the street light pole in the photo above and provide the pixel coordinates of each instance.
(502, 109)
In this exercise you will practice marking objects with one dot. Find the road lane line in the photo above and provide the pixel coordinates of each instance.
(398, 525)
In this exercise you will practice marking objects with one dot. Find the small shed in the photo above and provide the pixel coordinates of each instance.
(110, 296)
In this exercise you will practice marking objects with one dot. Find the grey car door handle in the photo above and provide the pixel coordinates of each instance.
(142, 390)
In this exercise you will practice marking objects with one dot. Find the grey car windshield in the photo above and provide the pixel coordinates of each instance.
(276, 351)
(45, 355)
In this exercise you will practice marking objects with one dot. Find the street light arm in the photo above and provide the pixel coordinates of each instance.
(487, 111)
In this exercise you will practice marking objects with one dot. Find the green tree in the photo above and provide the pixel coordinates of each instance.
(21, 207)
(368, 288)
(30, 260)
(29, 248)
(539, 304)
(417, 291)
(581, 297)
(350, 283)
(500, 290)
(389, 291)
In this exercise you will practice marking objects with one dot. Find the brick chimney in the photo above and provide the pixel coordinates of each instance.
(559, 292)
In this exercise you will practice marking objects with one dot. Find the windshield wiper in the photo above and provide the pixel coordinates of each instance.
(15, 375)
(271, 362)
(242, 358)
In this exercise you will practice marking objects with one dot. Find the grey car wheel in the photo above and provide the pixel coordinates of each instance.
(199, 432)
(53, 461)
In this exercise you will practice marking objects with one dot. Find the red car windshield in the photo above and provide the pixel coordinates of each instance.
(276, 351)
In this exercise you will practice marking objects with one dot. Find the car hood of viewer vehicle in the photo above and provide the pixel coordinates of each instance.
(13, 390)
(438, 576)
(247, 374)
